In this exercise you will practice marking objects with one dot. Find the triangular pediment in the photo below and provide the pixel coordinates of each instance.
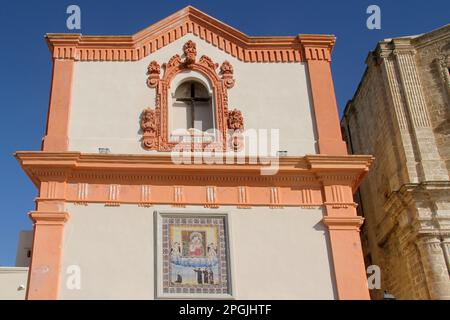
(187, 20)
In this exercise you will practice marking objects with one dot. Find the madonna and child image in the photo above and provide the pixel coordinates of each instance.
(193, 262)
(197, 257)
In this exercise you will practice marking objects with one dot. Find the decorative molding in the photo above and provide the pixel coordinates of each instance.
(211, 197)
(149, 129)
(343, 222)
(51, 189)
(430, 243)
(307, 196)
(48, 218)
(178, 197)
(44, 166)
(83, 193)
(341, 205)
(188, 21)
(207, 62)
(226, 70)
(169, 178)
(149, 179)
(154, 122)
(275, 198)
(190, 52)
(314, 53)
(337, 194)
(113, 196)
(146, 196)
(316, 47)
(398, 203)
(443, 63)
(399, 51)
(153, 72)
(243, 198)
(236, 125)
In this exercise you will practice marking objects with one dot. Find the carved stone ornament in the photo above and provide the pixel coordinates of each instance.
(207, 62)
(153, 74)
(236, 126)
(149, 128)
(235, 120)
(154, 122)
(444, 68)
(190, 51)
(226, 70)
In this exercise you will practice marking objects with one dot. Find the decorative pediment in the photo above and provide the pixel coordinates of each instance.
(189, 21)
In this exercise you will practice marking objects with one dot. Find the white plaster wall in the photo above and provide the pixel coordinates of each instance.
(108, 98)
(25, 244)
(275, 253)
(10, 280)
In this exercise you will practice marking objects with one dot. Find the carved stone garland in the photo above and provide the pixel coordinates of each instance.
(154, 122)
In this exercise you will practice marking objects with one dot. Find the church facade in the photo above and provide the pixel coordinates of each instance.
(190, 160)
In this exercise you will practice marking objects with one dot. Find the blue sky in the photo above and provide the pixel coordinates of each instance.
(25, 64)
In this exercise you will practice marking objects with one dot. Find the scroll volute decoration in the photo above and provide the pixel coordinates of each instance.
(226, 70)
(149, 129)
(236, 125)
(154, 122)
(153, 72)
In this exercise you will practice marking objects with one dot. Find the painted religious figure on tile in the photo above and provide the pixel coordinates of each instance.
(197, 259)
(196, 239)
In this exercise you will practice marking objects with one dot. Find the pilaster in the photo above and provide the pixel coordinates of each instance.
(344, 226)
(400, 69)
(45, 269)
(317, 53)
(64, 54)
(435, 266)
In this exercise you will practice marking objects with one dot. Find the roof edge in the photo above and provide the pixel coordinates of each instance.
(176, 25)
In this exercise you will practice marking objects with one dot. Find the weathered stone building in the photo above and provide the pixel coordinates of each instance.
(400, 114)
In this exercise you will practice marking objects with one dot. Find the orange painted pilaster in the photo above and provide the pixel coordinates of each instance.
(45, 269)
(351, 281)
(317, 52)
(343, 226)
(56, 136)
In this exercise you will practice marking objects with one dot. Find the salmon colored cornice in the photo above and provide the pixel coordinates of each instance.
(339, 167)
(321, 167)
(190, 20)
(316, 47)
